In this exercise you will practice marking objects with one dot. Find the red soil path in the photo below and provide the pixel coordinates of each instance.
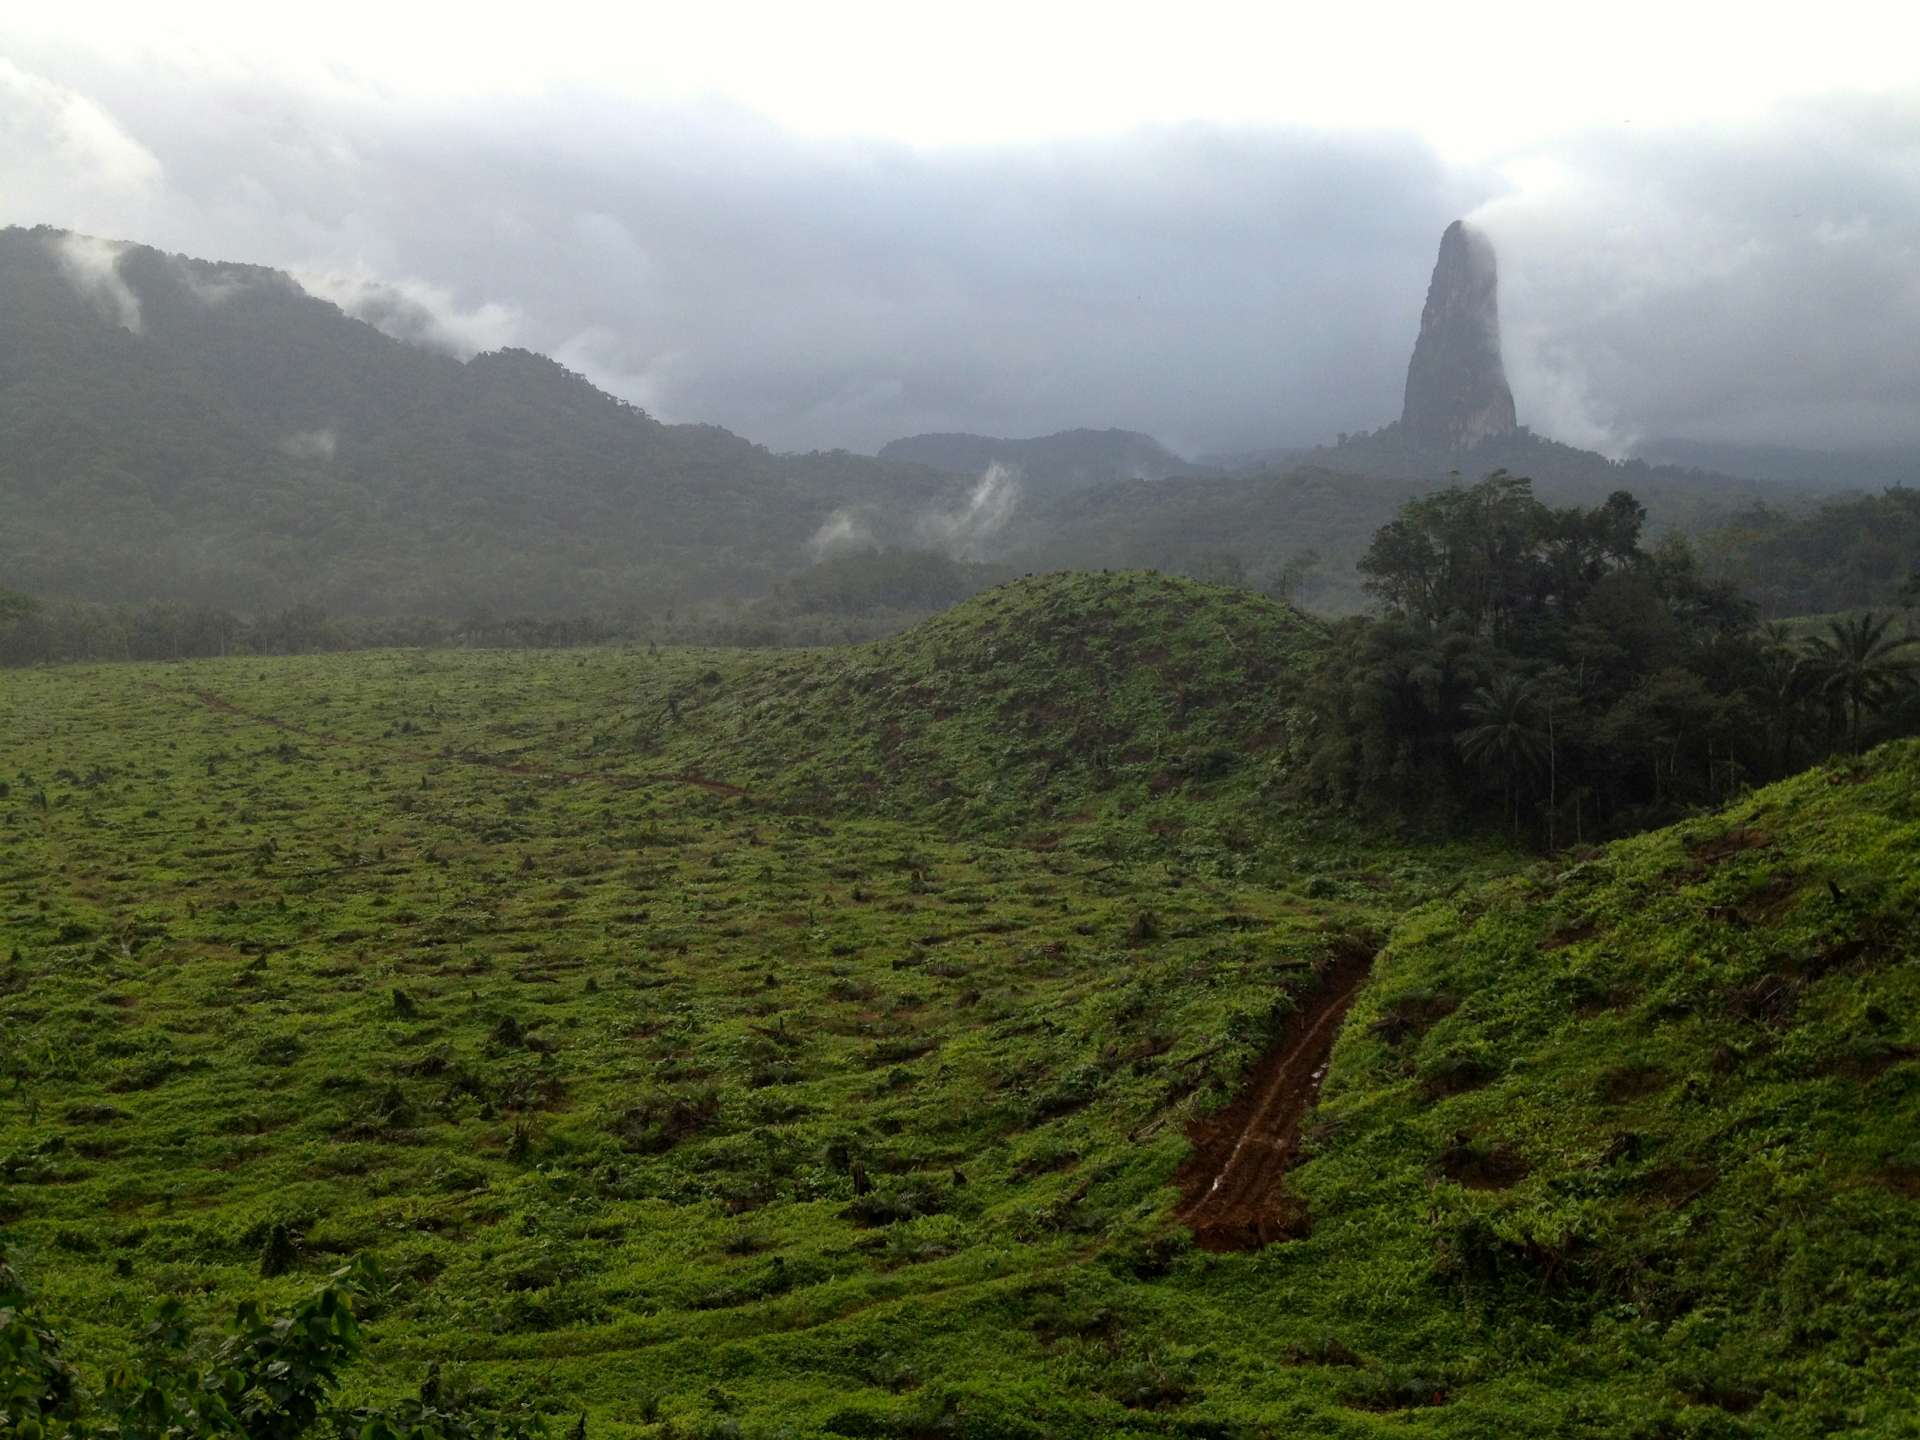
(1234, 1194)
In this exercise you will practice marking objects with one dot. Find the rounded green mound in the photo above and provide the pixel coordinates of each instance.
(1048, 700)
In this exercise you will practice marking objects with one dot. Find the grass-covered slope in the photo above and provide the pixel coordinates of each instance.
(662, 1100)
(1049, 701)
(654, 1099)
(1633, 1146)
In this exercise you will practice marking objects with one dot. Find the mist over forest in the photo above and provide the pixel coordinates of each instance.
(770, 722)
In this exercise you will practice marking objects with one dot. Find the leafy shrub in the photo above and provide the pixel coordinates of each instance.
(270, 1379)
(662, 1120)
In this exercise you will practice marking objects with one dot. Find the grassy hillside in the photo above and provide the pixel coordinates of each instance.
(654, 1097)
(1628, 1146)
(696, 1041)
(1042, 704)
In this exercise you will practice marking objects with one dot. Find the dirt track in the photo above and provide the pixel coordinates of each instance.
(1234, 1194)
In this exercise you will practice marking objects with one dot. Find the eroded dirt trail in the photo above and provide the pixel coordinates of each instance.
(1234, 1195)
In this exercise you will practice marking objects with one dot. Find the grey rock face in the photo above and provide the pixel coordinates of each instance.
(1457, 391)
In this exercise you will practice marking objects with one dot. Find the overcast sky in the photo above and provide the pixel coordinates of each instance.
(830, 225)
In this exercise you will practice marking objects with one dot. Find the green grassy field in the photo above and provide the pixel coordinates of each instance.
(786, 1044)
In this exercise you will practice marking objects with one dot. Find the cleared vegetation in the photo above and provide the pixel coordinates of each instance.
(797, 1044)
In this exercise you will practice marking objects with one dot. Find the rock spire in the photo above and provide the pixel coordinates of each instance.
(1457, 391)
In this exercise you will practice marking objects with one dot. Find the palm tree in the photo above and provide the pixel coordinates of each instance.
(1506, 736)
(1858, 666)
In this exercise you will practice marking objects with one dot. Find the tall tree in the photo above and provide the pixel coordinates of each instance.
(1506, 736)
(1859, 665)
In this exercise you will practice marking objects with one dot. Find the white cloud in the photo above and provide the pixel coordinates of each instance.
(1472, 80)
(311, 444)
(966, 532)
(92, 267)
(210, 287)
(1749, 283)
(603, 356)
(64, 159)
(1226, 284)
(840, 533)
(416, 311)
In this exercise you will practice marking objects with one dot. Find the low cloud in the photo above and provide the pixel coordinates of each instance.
(92, 267)
(1555, 396)
(210, 286)
(311, 444)
(967, 532)
(65, 158)
(1222, 288)
(841, 533)
(1752, 284)
(416, 311)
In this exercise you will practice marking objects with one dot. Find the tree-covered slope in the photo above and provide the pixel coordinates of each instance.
(1677, 497)
(178, 429)
(1850, 553)
(1864, 469)
(1048, 465)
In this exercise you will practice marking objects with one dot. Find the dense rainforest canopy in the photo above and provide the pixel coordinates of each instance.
(1543, 664)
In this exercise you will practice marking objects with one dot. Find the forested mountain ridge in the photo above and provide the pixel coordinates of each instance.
(1863, 469)
(211, 435)
(207, 432)
(1675, 496)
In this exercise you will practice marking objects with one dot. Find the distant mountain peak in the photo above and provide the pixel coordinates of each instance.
(1457, 393)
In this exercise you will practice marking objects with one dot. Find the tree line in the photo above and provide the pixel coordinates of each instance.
(1847, 554)
(1544, 668)
(35, 632)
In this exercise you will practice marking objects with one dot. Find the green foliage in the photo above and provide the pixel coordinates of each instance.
(1493, 558)
(37, 1393)
(1861, 666)
(269, 1379)
(1544, 662)
(682, 1073)
(1846, 554)
(854, 1089)
(1660, 1133)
